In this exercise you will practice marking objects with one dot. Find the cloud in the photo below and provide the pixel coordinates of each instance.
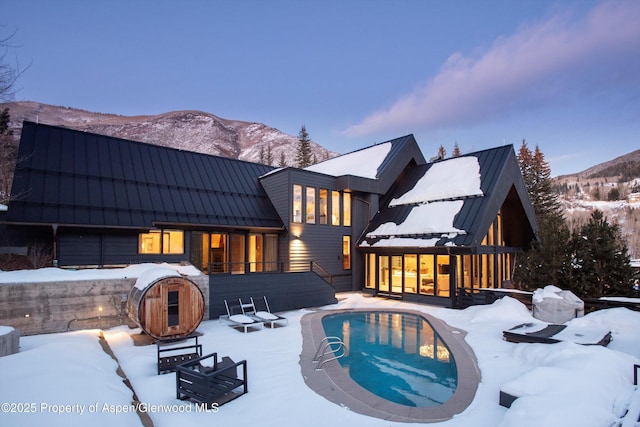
(542, 62)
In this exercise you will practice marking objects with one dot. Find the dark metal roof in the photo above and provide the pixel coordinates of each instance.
(500, 182)
(71, 177)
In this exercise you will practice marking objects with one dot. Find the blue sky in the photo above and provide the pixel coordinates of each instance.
(564, 75)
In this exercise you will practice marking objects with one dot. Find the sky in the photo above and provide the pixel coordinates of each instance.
(563, 75)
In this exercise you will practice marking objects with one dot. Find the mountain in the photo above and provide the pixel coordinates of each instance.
(186, 130)
(606, 186)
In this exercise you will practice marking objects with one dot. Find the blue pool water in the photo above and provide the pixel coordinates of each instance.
(396, 356)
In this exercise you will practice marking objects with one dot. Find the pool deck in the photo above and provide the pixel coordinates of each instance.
(334, 384)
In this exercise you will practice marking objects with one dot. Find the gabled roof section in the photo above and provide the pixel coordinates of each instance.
(375, 168)
(70, 177)
(453, 202)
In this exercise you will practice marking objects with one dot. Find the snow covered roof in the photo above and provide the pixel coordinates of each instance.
(363, 163)
(434, 201)
(450, 179)
(445, 203)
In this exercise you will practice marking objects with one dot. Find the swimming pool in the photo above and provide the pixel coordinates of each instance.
(334, 382)
(397, 356)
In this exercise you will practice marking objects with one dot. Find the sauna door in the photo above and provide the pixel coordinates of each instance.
(173, 304)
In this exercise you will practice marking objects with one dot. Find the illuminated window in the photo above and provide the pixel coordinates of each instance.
(371, 271)
(335, 208)
(297, 203)
(324, 213)
(346, 252)
(442, 282)
(161, 242)
(255, 252)
(346, 208)
(218, 251)
(237, 253)
(426, 274)
(410, 273)
(311, 205)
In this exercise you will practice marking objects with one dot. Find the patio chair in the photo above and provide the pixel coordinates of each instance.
(212, 385)
(238, 320)
(550, 334)
(263, 314)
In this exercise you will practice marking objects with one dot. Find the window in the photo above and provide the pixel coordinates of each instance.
(297, 203)
(371, 271)
(255, 252)
(161, 242)
(311, 205)
(335, 208)
(324, 206)
(346, 210)
(426, 275)
(173, 305)
(237, 253)
(218, 253)
(270, 252)
(410, 273)
(346, 252)
(396, 274)
(442, 282)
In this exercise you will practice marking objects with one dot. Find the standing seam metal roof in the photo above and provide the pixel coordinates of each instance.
(78, 178)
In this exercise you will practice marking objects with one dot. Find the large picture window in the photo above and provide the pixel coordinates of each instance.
(161, 242)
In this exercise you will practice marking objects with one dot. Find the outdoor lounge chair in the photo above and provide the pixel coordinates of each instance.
(551, 334)
(238, 320)
(212, 385)
(263, 314)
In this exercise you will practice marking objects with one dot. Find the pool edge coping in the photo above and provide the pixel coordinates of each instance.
(336, 386)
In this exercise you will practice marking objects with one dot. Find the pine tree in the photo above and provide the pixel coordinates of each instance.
(601, 264)
(7, 156)
(269, 156)
(549, 258)
(261, 156)
(303, 157)
(441, 152)
(456, 150)
(282, 163)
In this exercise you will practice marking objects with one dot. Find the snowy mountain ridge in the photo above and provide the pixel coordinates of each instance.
(186, 130)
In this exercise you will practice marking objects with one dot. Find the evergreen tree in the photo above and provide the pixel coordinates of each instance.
(441, 152)
(601, 264)
(7, 156)
(549, 258)
(269, 155)
(282, 163)
(456, 150)
(262, 155)
(303, 157)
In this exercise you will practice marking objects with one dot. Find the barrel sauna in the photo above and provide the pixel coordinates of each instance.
(165, 304)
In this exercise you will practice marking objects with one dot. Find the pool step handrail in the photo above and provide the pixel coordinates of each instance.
(330, 348)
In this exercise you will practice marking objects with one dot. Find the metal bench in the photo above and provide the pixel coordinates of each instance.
(170, 354)
(212, 385)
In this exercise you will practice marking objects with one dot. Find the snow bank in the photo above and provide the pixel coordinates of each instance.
(58, 274)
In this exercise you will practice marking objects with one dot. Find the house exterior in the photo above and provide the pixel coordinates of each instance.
(380, 220)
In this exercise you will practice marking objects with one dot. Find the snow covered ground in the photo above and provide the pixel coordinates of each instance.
(68, 380)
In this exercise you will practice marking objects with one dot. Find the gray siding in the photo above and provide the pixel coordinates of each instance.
(109, 248)
(284, 291)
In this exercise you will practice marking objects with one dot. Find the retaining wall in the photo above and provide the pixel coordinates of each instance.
(37, 308)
